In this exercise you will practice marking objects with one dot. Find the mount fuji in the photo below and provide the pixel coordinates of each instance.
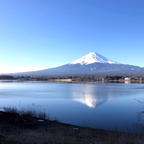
(90, 64)
(92, 58)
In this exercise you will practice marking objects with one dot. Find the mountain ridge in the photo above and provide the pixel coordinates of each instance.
(90, 64)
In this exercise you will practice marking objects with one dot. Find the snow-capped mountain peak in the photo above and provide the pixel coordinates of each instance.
(89, 65)
(92, 58)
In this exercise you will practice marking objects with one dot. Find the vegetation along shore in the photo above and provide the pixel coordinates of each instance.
(27, 127)
(121, 79)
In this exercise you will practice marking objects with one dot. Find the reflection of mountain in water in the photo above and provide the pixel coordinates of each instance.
(88, 100)
(92, 96)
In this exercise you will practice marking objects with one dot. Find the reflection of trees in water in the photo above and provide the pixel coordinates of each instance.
(92, 96)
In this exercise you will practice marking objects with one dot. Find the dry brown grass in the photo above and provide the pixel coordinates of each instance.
(24, 128)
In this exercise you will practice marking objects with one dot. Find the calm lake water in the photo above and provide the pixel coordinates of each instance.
(97, 105)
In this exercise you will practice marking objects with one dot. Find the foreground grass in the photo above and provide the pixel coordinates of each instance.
(19, 127)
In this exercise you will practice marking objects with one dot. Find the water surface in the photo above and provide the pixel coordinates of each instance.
(97, 105)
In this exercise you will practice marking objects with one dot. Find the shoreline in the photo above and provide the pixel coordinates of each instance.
(73, 81)
(28, 128)
(81, 78)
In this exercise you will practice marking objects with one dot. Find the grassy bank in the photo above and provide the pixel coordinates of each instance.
(20, 127)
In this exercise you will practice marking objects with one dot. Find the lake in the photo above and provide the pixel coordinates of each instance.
(96, 105)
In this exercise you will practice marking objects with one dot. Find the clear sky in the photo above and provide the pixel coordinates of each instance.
(37, 34)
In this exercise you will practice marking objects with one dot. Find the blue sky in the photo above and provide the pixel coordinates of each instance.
(37, 34)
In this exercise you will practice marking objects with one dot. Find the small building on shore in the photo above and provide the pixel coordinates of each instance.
(127, 79)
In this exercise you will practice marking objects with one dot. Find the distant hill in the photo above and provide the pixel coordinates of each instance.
(90, 64)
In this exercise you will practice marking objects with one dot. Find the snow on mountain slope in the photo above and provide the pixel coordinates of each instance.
(91, 64)
(92, 58)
